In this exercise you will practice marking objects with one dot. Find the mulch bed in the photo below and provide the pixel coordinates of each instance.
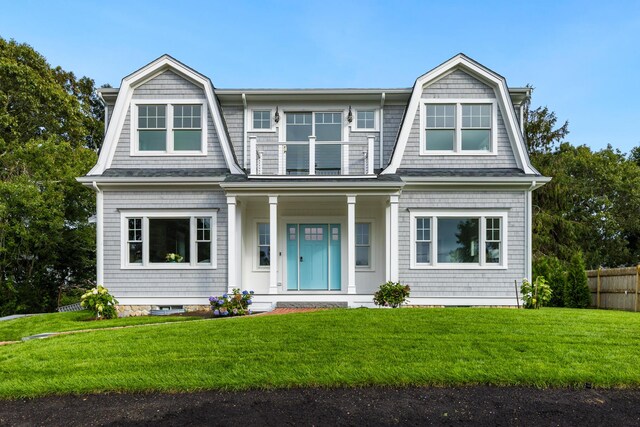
(363, 406)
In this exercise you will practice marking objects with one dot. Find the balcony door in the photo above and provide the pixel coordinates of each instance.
(327, 128)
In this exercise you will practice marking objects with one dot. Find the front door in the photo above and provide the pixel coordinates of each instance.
(313, 257)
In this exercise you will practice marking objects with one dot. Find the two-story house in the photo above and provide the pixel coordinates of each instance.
(313, 196)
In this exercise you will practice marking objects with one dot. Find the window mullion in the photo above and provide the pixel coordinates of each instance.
(169, 126)
(482, 240)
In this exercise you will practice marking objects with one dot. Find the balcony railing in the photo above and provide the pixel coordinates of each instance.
(311, 158)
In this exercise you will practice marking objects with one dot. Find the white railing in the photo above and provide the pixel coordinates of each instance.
(352, 158)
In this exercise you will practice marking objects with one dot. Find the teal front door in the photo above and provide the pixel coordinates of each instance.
(313, 257)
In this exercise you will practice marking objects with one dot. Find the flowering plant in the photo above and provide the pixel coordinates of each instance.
(235, 304)
(174, 257)
(100, 303)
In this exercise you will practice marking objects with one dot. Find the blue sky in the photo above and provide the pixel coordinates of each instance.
(582, 57)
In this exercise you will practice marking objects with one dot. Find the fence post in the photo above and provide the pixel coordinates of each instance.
(598, 289)
(635, 305)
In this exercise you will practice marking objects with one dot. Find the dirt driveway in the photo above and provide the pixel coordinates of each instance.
(365, 406)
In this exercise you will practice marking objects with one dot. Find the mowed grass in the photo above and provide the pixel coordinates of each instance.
(13, 330)
(357, 347)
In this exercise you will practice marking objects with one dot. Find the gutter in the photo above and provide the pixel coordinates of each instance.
(244, 130)
(381, 139)
(90, 180)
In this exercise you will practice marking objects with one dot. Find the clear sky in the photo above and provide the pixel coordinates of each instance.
(582, 57)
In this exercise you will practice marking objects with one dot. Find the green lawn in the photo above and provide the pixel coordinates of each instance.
(358, 347)
(13, 330)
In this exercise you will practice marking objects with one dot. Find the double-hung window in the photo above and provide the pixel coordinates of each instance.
(168, 239)
(166, 128)
(363, 244)
(264, 244)
(458, 239)
(466, 126)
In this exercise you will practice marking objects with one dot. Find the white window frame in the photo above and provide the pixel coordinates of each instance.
(460, 213)
(162, 213)
(168, 103)
(376, 120)
(457, 143)
(369, 267)
(256, 239)
(283, 121)
(271, 127)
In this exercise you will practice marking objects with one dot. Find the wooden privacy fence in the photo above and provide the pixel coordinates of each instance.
(615, 288)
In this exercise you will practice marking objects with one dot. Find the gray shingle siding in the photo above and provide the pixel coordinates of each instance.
(168, 85)
(456, 282)
(213, 159)
(162, 283)
(392, 121)
(458, 85)
(234, 117)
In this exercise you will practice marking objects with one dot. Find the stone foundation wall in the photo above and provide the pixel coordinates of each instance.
(145, 310)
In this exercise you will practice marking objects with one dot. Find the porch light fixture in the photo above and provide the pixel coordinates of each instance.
(276, 117)
(350, 115)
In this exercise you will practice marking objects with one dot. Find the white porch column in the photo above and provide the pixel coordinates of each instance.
(231, 242)
(393, 238)
(370, 155)
(239, 213)
(312, 155)
(387, 243)
(351, 244)
(273, 239)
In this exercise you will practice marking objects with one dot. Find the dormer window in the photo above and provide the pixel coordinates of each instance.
(164, 128)
(466, 126)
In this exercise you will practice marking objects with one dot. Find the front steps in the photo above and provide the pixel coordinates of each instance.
(312, 304)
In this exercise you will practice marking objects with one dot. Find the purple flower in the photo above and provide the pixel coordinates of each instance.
(244, 292)
(249, 301)
(249, 311)
(224, 295)
(216, 312)
(251, 292)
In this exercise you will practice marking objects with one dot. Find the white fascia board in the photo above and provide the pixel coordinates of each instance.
(169, 181)
(476, 184)
(123, 101)
(493, 79)
(315, 185)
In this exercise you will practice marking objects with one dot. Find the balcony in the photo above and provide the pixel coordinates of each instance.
(312, 158)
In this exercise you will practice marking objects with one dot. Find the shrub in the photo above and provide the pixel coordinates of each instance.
(576, 292)
(236, 304)
(553, 270)
(391, 294)
(536, 294)
(100, 303)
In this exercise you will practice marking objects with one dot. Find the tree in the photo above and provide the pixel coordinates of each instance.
(49, 130)
(576, 291)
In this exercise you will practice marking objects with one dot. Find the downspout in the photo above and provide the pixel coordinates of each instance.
(244, 130)
(381, 161)
(529, 237)
(99, 234)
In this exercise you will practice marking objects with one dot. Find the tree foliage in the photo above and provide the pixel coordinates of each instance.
(592, 202)
(50, 127)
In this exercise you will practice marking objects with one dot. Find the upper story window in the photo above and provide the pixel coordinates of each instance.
(261, 119)
(466, 126)
(324, 126)
(365, 120)
(167, 128)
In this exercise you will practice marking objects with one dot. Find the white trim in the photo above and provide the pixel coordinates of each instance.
(134, 150)
(351, 243)
(506, 107)
(232, 264)
(254, 237)
(373, 252)
(99, 234)
(457, 144)
(123, 102)
(270, 129)
(393, 237)
(146, 214)
(376, 120)
(273, 231)
(481, 214)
